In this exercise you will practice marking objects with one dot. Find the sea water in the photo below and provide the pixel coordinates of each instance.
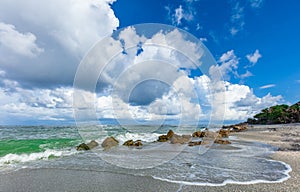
(54, 147)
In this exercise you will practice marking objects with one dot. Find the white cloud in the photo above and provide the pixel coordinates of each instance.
(228, 64)
(267, 86)
(237, 19)
(253, 58)
(256, 3)
(21, 105)
(178, 15)
(181, 14)
(19, 43)
(65, 38)
(64, 29)
(235, 102)
(298, 81)
(245, 75)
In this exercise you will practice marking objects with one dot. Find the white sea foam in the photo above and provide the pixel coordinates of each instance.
(145, 137)
(21, 158)
(229, 181)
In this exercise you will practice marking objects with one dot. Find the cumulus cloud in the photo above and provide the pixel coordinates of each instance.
(253, 58)
(21, 105)
(234, 102)
(58, 34)
(237, 102)
(165, 56)
(228, 64)
(267, 86)
(19, 43)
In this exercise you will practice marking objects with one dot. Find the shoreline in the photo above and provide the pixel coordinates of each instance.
(285, 137)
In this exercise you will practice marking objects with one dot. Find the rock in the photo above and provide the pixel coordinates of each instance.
(194, 143)
(92, 144)
(164, 138)
(211, 134)
(205, 133)
(136, 143)
(224, 132)
(221, 141)
(82, 147)
(237, 127)
(175, 139)
(170, 133)
(128, 143)
(109, 142)
(198, 134)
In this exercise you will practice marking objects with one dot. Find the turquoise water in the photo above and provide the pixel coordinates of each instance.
(33, 139)
(54, 147)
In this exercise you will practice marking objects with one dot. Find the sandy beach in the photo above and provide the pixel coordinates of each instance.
(285, 137)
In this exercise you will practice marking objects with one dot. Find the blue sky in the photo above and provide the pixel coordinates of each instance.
(255, 43)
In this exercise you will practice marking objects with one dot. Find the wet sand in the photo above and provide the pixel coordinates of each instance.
(285, 137)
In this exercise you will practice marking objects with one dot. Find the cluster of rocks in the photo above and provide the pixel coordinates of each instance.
(237, 127)
(174, 138)
(136, 143)
(206, 135)
(108, 143)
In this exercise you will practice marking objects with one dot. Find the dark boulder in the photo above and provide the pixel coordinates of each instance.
(164, 138)
(199, 134)
(82, 147)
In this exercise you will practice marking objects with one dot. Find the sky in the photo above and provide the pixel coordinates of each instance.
(255, 44)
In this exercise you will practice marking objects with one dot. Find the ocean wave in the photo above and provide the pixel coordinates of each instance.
(12, 158)
(144, 137)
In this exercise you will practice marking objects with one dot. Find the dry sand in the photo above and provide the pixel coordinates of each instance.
(285, 137)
